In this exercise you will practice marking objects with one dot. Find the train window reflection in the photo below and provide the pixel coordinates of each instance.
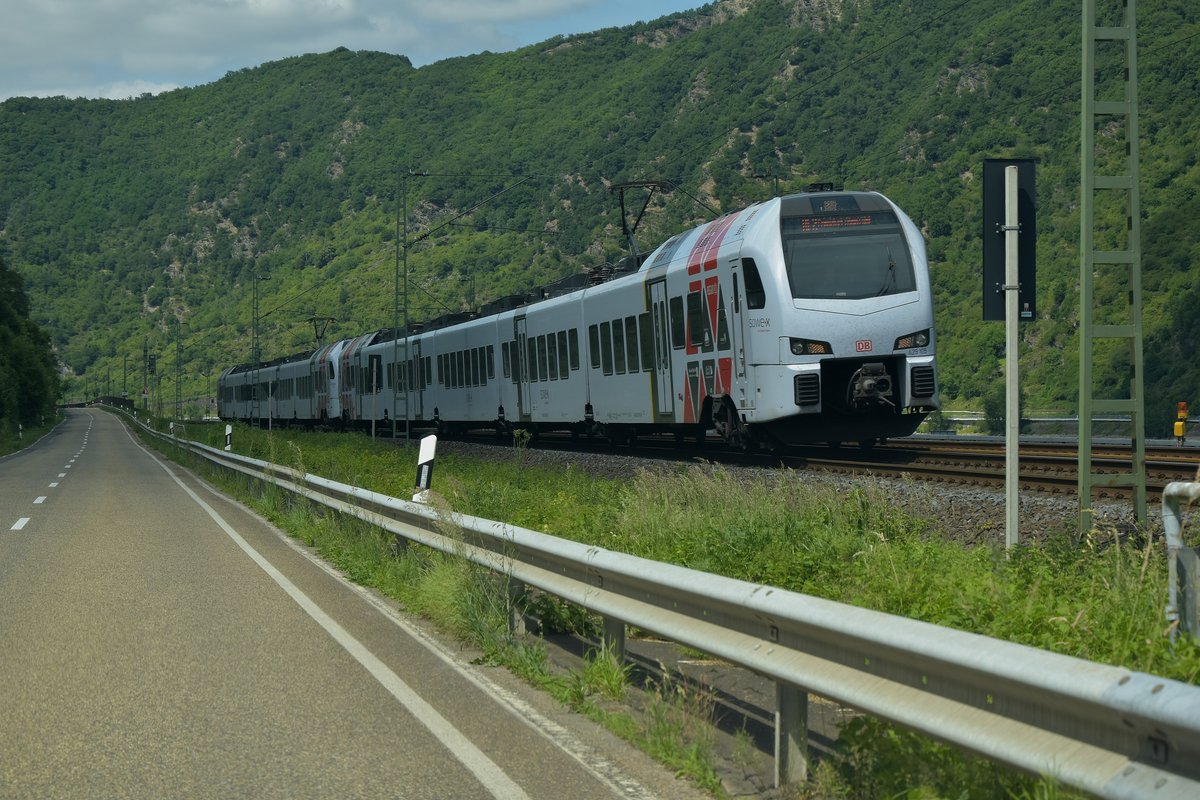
(756, 296)
(870, 260)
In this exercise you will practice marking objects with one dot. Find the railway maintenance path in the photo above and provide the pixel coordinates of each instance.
(158, 640)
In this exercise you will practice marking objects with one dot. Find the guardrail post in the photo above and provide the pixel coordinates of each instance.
(1188, 566)
(791, 734)
(614, 638)
(1180, 559)
(516, 616)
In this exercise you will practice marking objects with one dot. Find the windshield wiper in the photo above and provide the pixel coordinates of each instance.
(891, 275)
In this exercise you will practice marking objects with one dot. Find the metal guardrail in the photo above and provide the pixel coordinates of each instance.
(1106, 730)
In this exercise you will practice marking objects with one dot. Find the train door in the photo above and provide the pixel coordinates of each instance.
(748, 296)
(663, 392)
(332, 371)
(525, 390)
(417, 378)
(352, 388)
(320, 385)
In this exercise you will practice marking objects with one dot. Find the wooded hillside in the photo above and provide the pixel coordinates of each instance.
(130, 219)
(28, 373)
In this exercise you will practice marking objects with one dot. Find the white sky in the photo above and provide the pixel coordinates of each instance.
(123, 48)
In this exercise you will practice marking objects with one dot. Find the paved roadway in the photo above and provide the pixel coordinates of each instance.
(158, 640)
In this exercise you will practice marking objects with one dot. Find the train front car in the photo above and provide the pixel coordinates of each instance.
(838, 328)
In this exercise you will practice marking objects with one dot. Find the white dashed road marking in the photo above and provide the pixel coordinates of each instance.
(20, 524)
(39, 501)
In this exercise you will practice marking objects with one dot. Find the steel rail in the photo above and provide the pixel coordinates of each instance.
(1106, 730)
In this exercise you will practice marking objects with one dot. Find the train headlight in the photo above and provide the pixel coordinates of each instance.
(915, 339)
(808, 347)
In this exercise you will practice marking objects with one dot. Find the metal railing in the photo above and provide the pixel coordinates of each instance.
(1106, 730)
(1183, 582)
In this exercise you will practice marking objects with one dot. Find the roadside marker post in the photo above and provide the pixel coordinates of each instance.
(228, 438)
(425, 468)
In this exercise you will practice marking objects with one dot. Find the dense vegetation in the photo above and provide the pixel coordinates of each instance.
(29, 383)
(130, 218)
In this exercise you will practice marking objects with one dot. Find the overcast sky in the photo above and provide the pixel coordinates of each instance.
(123, 48)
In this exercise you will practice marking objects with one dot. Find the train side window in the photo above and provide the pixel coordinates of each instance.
(756, 296)
(618, 334)
(563, 363)
(646, 337)
(531, 360)
(573, 337)
(631, 344)
(552, 356)
(678, 324)
(506, 365)
(427, 373)
(475, 381)
(594, 346)
(491, 362)
(699, 334)
(606, 347)
(543, 371)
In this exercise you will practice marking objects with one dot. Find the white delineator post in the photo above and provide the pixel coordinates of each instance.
(425, 468)
(228, 438)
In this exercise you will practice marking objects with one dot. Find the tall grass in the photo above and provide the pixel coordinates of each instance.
(1101, 600)
(13, 438)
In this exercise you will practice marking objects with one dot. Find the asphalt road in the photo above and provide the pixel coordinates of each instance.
(158, 640)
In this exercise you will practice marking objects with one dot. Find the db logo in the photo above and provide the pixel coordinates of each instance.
(863, 346)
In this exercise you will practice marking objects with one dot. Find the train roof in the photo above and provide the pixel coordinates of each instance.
(275, 362)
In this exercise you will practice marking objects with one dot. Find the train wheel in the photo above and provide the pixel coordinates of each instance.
(733, 431)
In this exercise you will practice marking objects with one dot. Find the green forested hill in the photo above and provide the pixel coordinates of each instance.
(127, 218)
(28, 374)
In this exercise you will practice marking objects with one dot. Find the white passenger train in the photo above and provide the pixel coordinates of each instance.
(807, 318)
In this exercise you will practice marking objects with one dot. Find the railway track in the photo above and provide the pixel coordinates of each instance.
(1045, 466)
(1050, 467)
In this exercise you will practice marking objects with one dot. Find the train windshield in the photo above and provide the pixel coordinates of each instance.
(846, 256)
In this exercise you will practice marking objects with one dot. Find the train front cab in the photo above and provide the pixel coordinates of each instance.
(838, 321)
